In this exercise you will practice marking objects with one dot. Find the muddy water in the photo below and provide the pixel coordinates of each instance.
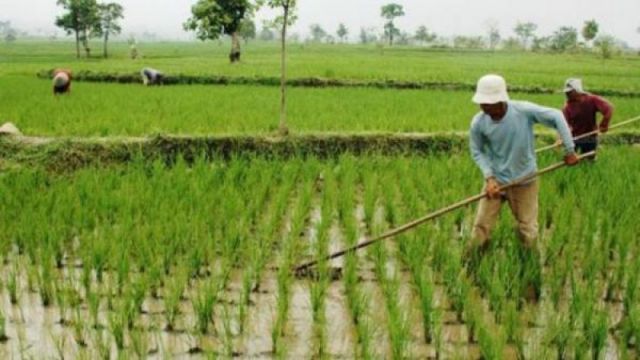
(299, 337)
(340, 329)
(257, 342)
(36, 332)
(378, 315)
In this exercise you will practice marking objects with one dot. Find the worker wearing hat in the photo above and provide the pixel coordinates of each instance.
(581, 110)
(61, 81)
(503, 146)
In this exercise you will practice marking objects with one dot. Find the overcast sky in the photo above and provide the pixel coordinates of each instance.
(445, 17)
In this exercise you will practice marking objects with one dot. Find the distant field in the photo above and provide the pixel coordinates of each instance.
(335, 61)
(132, 110)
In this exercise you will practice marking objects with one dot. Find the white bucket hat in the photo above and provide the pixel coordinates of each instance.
(573, 85)
(491, 89)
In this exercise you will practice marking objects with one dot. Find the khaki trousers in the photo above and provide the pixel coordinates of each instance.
(523, 201)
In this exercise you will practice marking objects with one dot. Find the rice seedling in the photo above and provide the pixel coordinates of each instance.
(3, 328)
(12, 286)
(46, 286)
(93, 303)
(203, 306)
(139, 340)
(491, 342)
(118, 321)
(60, 344)
(559, 334)
(227, 332)
(79, 328)
(173, 297)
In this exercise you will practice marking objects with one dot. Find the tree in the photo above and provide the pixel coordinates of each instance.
(266, 34)
(367, 35)
(541, 43)
(212, 18)
(424, 36)
(286, 19)
(525, 31)
(317, 33)
(342, 32)
(590, 30)
(390, 12)
(564, 38)
(109, 14)
(468, 42)
(605, 44)
(80, 19)
(493, 33)
(512, 44)
(494, 38)
(7, 32)
(247, 29)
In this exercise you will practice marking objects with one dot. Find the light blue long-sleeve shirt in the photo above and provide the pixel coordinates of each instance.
(505, 149)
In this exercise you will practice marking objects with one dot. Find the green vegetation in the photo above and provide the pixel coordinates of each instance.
(219, 222)
(170, 246)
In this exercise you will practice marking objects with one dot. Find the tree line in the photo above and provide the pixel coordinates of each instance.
(213, 19)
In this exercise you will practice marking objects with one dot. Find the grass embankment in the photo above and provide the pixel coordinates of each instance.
(73, 153)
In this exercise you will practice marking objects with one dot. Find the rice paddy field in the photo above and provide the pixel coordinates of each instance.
(100, 109)
(192, 257)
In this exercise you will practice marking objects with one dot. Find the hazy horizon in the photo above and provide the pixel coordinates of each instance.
(164, 18)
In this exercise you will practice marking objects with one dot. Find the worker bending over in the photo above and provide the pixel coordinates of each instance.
(61, 81)
(152, 76)
(503, 146)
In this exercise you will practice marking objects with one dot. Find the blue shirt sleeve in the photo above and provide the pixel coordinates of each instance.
(554, 119)
(477, 144)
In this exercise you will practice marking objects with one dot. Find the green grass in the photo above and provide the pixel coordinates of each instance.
(193, 234)
(133, 110)
(335, 61)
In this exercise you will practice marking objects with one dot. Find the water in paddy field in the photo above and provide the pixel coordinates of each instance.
(34, 330)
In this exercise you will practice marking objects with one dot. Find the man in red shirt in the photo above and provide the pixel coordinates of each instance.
(581, 111)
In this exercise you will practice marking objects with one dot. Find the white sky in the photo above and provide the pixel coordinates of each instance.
(446, 17)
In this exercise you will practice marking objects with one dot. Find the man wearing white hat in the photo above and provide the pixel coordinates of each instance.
(502, 144)
(581, 111)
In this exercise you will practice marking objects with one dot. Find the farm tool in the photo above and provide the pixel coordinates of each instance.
(304, 268)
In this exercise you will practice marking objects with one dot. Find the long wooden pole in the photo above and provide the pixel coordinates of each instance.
(458, 205)
(595, 132)
(434, 215)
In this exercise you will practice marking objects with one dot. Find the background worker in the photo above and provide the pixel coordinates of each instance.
(502, 145)
(152, 76)
(61, 81)
(581, 110)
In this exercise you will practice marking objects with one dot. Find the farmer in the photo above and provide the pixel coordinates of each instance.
(502, 145)
(581, 111)
(151, 76)
(61, 81)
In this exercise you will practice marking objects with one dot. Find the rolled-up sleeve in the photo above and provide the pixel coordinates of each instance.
(554, 119)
